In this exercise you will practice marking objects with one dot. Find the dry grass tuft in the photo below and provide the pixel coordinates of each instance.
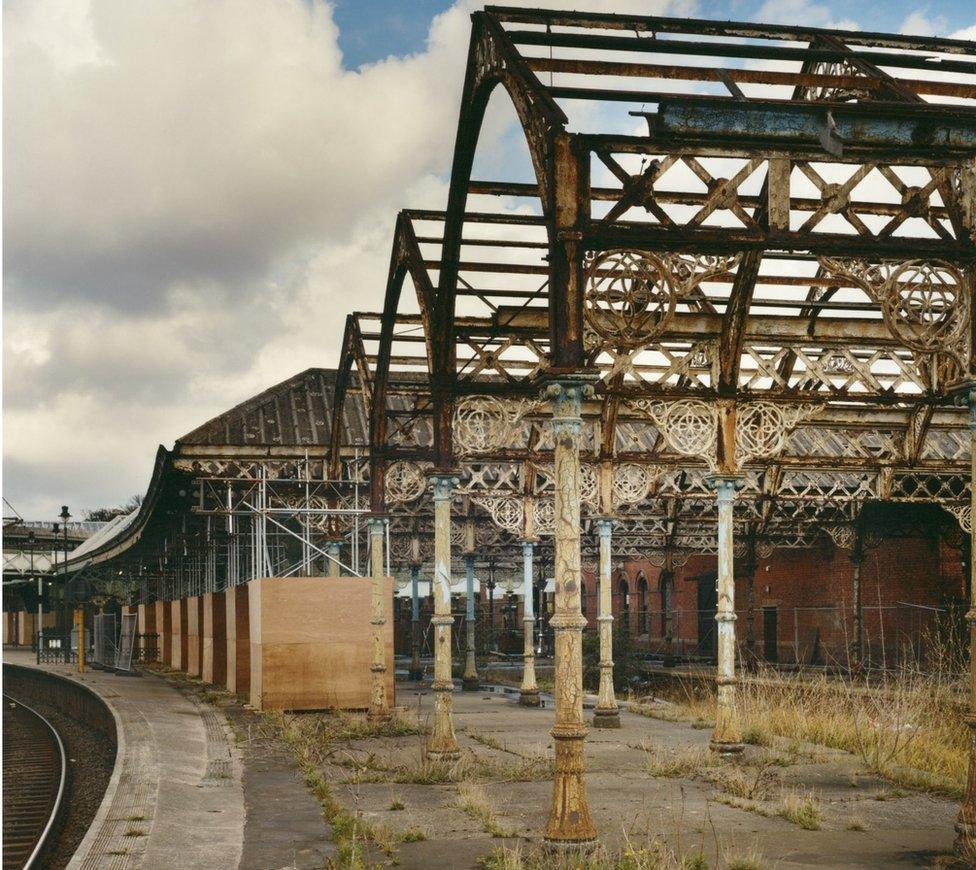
(906, 726)
(681, 763)
(749, 783)
(473, 800)
(653, 855)
(802, 810)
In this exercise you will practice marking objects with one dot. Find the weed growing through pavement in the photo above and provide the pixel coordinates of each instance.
(472, 799)
(906, 725)
(802, 810)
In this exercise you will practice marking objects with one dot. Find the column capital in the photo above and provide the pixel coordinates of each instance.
(528, 544)
(725, 485)
(567, 394)
(964, 394)
(444, 482)
(375, 520)
(604, 524)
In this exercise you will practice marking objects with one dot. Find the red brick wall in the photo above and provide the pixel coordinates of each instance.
(812, 592)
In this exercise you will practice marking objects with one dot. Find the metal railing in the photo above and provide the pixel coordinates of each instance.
(147, 647)
(892, 636)
(53, 648)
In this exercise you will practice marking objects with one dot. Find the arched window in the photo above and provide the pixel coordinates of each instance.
(642, 615)
(624, 589)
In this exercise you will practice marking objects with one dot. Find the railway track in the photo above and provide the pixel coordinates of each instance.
(34, 773)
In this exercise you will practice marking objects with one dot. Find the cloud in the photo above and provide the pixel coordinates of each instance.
(801, 12)
(196, 193)
(918, 23)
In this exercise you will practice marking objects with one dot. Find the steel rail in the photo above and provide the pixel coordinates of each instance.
(15, 829)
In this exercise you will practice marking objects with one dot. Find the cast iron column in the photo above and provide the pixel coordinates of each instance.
(442, 743)
(727, 737)
(857, 643)
(606, 714)
(379, 704)
(469, 681)
(750, 571)
(667, 603)
(529, 690)
(334, 551)
(569, 824)
(415, 672)
(966, 823)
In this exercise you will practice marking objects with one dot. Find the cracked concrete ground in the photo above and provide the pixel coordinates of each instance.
(724, 809)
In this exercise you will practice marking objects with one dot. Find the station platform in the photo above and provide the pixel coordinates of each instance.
(188, 789)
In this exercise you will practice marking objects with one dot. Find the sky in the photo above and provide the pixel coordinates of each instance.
(196, 192)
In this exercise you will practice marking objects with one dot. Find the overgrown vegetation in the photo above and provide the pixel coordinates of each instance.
(905, 726)
(473, 800)
(627, 662)
(682, 762)
(802, 810)
(652, 855)
(312, 739)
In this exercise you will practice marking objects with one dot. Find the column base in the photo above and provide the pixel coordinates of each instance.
(443, 754)
(529, 698)
(606, 718)
(726, 748)
(470, 684)
(570, 826)
(569, 847)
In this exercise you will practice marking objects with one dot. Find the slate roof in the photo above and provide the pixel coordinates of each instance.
(294, 413)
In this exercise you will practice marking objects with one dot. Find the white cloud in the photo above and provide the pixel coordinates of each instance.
(919, 23)
(196, 193)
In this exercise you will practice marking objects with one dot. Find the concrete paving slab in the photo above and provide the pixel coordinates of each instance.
(165, 807)
(629, 804)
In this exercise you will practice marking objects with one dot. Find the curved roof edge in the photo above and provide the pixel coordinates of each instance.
(123, 531)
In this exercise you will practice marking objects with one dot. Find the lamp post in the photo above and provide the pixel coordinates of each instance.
(40, 602)
(65, 516)
(55, 530)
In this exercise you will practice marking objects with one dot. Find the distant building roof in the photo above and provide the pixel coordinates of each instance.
(293, 413)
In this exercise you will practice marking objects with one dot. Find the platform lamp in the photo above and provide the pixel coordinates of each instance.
(65, 516)
(40, 600)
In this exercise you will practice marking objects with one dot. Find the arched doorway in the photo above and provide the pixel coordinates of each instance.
(643, 617)
(623, 589)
